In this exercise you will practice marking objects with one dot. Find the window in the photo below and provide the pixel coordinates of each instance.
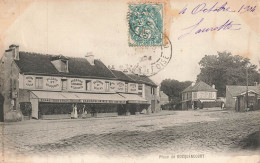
(14, 84)
(38, 82)
(107, 87)
(152, 91)
(63, 84)
(210, 95)
(126, 87)
(64, 66)
(140, 87)
(88, 85)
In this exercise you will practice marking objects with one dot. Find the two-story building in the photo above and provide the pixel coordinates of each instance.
(197, 94)
(46, 86)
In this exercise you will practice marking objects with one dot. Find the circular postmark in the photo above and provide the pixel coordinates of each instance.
(152, 60)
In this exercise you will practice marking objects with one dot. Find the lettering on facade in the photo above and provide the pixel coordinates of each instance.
(52, 82)
(120, 86)
(76, 84)
(112, 85)
(98, 85)
(132, 87)
(29, 81)
(80, 101)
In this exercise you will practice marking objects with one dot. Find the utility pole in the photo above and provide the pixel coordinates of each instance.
(246, 86)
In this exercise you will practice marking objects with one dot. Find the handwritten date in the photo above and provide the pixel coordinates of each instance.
(205, 8)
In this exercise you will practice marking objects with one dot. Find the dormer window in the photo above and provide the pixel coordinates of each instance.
(64, 66)
(61, 63)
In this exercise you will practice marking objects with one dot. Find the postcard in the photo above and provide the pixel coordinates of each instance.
(129, 81)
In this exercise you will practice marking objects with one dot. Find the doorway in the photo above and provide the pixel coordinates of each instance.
(153, 106)
(1, 108)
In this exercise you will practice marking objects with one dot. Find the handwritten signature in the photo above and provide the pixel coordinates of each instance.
(228, 25)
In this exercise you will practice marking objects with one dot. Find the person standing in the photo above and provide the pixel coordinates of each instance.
(84, 112)
(72, 113)
(75, 111)
(222, 105)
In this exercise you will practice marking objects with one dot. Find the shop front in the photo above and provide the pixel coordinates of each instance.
(59, 105)
(134, 104)
(246, 102)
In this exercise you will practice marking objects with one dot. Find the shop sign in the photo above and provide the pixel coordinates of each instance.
(121, 86)
(112, 85)
(76, 84)
(52, 82)
(98, 85)
(29, 81)
(81, 101)
(103, 101)
(132, 87)
(59, 100)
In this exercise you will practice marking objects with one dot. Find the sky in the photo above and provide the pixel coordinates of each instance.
(74, 28)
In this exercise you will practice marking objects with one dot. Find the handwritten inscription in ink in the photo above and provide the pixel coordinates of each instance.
(204, 8)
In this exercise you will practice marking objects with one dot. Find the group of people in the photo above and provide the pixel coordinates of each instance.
(74, 113)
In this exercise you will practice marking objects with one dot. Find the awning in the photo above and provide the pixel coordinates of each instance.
(134, 98)
(209, 100)
(68, 97)
(250, 93)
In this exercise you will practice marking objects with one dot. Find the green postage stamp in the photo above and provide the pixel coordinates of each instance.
(145, 25)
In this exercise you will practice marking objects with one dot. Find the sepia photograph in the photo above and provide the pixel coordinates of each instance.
(129, 81)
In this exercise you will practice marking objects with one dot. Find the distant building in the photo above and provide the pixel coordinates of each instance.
(236, 97)
(50, 84)
(197, 94)
(164, 99)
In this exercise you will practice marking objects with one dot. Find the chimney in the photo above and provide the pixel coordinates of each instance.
(112, 67)
(15, 51)
(90, 58)
(125, 71)
(213, 86)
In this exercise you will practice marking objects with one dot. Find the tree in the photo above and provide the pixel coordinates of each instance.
(227, 69)
(173, 89)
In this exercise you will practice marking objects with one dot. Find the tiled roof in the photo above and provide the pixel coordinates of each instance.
(188, 89)
(200, 86)
(236, 90)
(142, 79)
(122, 76)
(33, 63)
(59, 57)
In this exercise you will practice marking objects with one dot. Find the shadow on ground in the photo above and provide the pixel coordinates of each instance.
(251, 142)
